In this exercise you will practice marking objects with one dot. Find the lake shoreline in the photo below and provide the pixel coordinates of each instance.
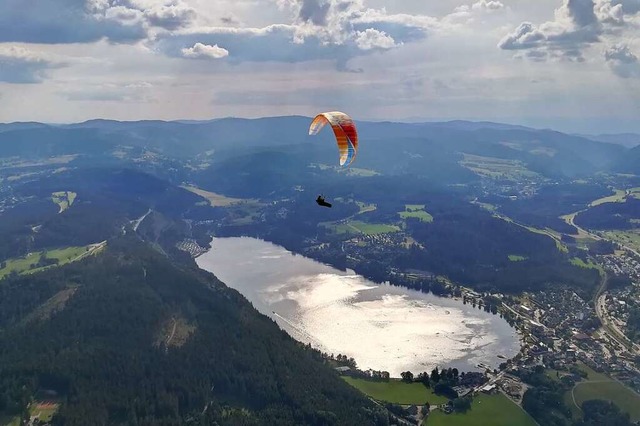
(309, 299)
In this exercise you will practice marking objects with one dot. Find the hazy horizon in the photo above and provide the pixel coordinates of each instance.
(533, 124)
(566, 65)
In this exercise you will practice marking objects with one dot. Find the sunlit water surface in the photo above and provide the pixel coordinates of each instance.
(383, 327)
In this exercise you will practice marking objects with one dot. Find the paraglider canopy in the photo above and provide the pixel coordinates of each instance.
(344, 130)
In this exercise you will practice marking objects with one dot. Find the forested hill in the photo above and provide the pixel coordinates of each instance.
(630, 162)
(129, 337)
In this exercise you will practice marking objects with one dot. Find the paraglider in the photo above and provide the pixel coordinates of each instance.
(345, 131)
(321, 202)
(346, 137)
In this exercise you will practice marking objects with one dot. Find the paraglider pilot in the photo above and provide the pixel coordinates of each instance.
(321, 202)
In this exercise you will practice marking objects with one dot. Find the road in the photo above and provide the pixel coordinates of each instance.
(138, 221)
(600, 296)
(601, 312)
(173, 332)
(570, 219)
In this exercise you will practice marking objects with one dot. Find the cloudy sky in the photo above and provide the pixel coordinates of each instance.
(567, 64)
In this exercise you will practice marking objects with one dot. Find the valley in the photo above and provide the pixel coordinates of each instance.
(498, 221)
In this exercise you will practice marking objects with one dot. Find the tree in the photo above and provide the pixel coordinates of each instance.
(462, 405)
(598, 412)
(445, 390)
(424, 379)
(425, 409)
(407, 376)
(435, 375)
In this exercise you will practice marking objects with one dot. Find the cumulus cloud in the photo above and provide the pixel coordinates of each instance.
(490, 5)
(482, 5)
(67, 21)
(21, 66)
(85, 21)
(315, 11)
(575, 26)
(170, 17)
(204, 51)
(372, 38)
(623, 62)
(336, 30)
(610, 13)
(630, 7)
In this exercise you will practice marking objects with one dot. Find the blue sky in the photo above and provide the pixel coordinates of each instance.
(566, 64)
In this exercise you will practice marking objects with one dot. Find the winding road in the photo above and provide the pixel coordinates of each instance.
(600, 296)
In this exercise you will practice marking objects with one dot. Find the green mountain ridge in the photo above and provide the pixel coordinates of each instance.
(99, 351)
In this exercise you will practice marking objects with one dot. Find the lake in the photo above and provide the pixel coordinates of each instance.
(383, 327)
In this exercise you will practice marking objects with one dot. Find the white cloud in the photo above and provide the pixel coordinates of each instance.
(372, 38)
(205, 51)
(623, 62)
(489, 5)
(578, 24)
(170, 17)
(85, 21)
(630, 7)
(68, 21)
(22, 66)
(575, 26)
(337, 30)
(480, 6)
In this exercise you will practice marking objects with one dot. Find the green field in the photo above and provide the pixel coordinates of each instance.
(630, 239)
(494, 410)
(516, 258)
(364, 207)
(581, 263)
(619, 394)
(396, 391)
(618, 197)
(64, 199)
(215, 200)
(417, 211)
(496, 168)
(358, 227)
(486, 206)
(600, 386)
(22, 265)
(44, 412)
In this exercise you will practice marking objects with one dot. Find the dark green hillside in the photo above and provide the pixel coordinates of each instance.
(608, 216)
(51, 141)
(429, 149)
(463, 242)
(107, 200)
(544, 209)
(629, 162)
(104, 351)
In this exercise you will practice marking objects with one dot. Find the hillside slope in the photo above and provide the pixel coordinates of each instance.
(138, 339)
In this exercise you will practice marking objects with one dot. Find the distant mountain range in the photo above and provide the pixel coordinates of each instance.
(387, 146)
(629, 140)
(630, 163)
